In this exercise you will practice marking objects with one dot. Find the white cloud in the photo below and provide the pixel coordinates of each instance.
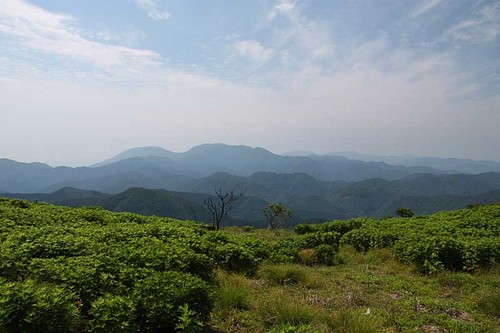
(303, 40)
(254, 51)
(285, 6)
(417, 106)
(368, 52)
(484, 26)
(151, 7)
(425, 6)
(34, 30)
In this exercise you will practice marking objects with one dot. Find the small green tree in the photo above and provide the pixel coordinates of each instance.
(404, 212)
(276, 215)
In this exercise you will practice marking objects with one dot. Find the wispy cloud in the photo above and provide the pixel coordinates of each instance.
(254, 51)
(301, 41)
(425, 6)
(151, 7)
(32, 29)
(483, 26)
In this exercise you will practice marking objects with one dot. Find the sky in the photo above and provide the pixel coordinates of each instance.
(81, 81)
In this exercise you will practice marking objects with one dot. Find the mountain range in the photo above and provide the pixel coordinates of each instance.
(155, 181)
(153, 167)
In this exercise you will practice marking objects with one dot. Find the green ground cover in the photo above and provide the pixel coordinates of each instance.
(90, 270)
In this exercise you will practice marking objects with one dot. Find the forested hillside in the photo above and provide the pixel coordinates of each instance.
(310, 200)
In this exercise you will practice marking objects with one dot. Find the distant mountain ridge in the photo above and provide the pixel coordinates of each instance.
(314, 187)
(456, 165)
(310, 199)
(168, 170)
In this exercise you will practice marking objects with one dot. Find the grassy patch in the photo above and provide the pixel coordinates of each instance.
(283, 274)
(233, 291)
(354, 321)
(489, 303)
(282, 310)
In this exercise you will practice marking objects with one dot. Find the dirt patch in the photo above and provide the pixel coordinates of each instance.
(396, 296)
(433, 329)
(458, 314)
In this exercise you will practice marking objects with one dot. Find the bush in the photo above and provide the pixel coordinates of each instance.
(305, 228)
(159, 299)
(31, 307)
(289, 250)
(376, 236)
(112, 313)
(331, 238)
(233, 253)
(404, 212)
(341, 227)
(327, 255)
(18, 203)
(431, 254)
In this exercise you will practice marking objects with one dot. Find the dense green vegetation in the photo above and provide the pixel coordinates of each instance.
(87, 269)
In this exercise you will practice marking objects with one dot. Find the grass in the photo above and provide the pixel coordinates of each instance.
(293, 329)
(354, 321)
(489, 303)
(233, 291)
(282, 310)
(283, 274)
(310, 299)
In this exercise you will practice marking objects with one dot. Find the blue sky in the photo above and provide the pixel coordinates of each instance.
(83, 80)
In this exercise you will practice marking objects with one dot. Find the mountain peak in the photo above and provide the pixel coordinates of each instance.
(137, 152)
(225, 147)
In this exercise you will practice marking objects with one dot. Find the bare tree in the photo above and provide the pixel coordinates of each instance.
(220, 204)
(276, 215)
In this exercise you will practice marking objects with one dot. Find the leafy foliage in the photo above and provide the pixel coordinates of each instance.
(29, 306)
(461, 240)
(276, 215)
(404, 212)
(87, 269)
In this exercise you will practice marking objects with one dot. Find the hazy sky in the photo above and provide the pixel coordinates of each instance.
(81, 80)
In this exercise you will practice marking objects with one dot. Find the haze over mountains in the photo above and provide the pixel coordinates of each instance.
(314, 187)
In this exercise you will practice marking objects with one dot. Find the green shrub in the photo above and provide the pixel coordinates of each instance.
(235, 254)
(85, 276)
(31, 307)
(375, 236)
(112, 313)
(248, 228)
(404, 212)
(327, 255)
(431, 253)
(305, 228)
(287, 250)
(313, 240)
(160, 296)
(341, 227)
(188, 321)
(18, 203)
